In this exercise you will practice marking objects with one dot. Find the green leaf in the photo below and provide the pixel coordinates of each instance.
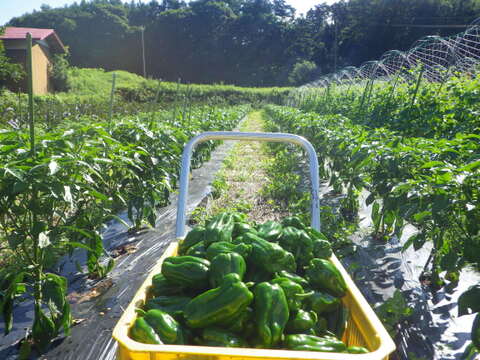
(418, 217)
(409, 242)
(14, 240)
(470, 167)
(54, 288)
(469, 301)
(432, 164)
(418, 241)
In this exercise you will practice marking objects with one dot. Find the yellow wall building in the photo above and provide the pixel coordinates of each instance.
(45, 43)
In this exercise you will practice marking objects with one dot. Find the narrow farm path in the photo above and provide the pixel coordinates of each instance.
(239, 183)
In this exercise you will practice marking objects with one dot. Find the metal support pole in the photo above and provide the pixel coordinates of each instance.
(30, 93)
(143, 53)
(246, 136)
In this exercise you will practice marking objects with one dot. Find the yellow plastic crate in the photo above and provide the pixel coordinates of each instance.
(363, 329)
(363, 326)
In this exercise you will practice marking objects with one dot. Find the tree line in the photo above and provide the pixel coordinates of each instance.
(243, 42)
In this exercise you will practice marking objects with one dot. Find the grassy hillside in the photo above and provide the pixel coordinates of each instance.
(132, 87)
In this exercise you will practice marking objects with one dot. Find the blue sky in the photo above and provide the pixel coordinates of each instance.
(11, 8)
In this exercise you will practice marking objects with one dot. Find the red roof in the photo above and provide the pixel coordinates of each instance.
(16, 33)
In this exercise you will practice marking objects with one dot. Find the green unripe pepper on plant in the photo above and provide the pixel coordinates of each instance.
(270, 231)
(301, 321)
(271, 313)
(224, 264)
(195, 236)
(167, 329)
(187, 271)
(302, 342)
(293, 291)
(223, 247)
(142, 332)
(173, 305)
(219, 228)
(323, 275)
(219, 306)
(322, 302)
(161, 286)
(221, 337)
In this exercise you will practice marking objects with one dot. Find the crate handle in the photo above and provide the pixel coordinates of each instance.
(246, 136)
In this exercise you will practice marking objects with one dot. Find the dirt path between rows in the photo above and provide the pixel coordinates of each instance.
(238, 185)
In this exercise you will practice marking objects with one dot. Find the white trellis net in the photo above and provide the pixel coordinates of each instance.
(436, 57)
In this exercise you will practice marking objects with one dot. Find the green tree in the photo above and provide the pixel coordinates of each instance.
(303, 72)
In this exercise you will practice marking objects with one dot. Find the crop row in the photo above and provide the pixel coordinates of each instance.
(56, 191)
(416, 108)
(432, 184)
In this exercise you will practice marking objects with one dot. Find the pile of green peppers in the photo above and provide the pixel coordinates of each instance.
(235, 283)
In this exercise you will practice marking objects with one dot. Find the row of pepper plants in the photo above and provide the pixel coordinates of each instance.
(433, 184)
(415, 108)
(59, 187)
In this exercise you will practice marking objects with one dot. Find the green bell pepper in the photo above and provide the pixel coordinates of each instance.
(270, 231)
(322, 302)
(161, 286)
(240, 228)
(322, 249)
(195, 236)
(197, 250)
(221, 337)
(243, 324)
(357, 350)
(167, 329)
(266, 255)
(302, 342)
(315, 234)
(219, 306)
(271, 313)
(293, 291)
(173, 305)
(187, 271)
(301, 321)
(224, 264)
(337, 320)
(219, 228)
(223, 247)
(142, 332)
(322, 274)
(298, 243)
(293, 221)
(295, 278)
